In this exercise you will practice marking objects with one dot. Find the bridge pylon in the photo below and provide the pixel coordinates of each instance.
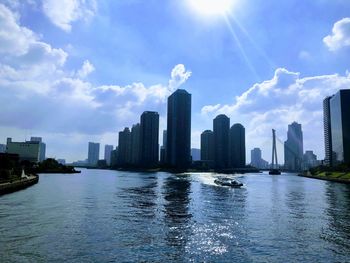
(274, 164)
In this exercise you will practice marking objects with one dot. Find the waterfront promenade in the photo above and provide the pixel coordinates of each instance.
(18, 184)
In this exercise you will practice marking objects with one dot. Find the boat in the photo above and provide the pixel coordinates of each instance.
(228, 182)
(275, 172)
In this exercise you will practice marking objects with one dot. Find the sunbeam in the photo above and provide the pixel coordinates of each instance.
(243, 53)
(259, 49)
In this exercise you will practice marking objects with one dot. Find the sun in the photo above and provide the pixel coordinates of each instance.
(211, 7)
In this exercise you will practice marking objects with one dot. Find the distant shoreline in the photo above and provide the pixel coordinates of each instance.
(169, 170)
(57, 172)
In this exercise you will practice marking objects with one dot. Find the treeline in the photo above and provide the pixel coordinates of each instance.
(51, 166)
(342, 168)
(11, 167)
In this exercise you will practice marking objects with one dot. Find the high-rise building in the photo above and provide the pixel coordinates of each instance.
(124, 147)
(237, 153)
(114, 158)
(293, 148)
(149, 134)
(42, 147)
(340, 127)
(163, 149)
(221, 128)
(257, 160)
(27, 151)
(207, 146)
(135, 144)
(255, 157)
(93, 153)
(108, 150)
(327, 131)
(178, 146)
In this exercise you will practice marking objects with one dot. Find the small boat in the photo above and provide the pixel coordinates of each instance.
(228, 182)
(275, 172)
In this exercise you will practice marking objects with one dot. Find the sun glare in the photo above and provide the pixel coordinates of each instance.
(211, 7)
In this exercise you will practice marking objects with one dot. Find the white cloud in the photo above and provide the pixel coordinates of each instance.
(179, 75)
(128, 102)
(13, 4)
(277, 102)
(14, 39)
(340, 36)
(210, 109)
(86, 69)
(71, 105)
(63, 13)
(45, 97)
(26, 61)
(21, 47)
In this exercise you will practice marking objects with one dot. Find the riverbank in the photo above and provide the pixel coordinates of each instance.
(338, 177)
(18, 184)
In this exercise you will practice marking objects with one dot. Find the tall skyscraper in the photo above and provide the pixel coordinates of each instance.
(340, 127)
(42, 147)
(255, 156)
(149, 131)
(93, 153)
(135, 144)
(207, 146)
(108, 151)
(178, 152)
(124, 147)
(237, 153)
(221, 127)
(257, 160)
(163, 149)
(114, 158)
(293, 148)
(327, 131)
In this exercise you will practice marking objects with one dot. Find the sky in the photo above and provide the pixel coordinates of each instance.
(74, 71)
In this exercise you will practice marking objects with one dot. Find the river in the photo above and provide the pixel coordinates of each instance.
(112, 216)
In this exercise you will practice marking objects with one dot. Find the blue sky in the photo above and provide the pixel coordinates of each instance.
(74, 71)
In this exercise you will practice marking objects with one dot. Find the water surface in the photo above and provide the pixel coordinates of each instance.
(110, 216)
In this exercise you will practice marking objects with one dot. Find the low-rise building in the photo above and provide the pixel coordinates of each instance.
(27, 151)
(310, 160)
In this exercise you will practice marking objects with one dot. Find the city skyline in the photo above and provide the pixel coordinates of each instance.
(49, 65)
(134, 152)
